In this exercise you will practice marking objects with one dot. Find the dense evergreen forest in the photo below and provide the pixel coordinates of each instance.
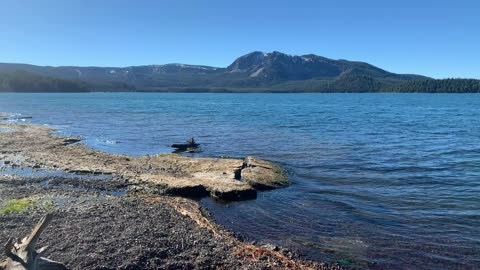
(438, 86)
(22, 81)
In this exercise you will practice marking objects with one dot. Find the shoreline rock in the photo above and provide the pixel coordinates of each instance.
(220, 178)
(263, 175)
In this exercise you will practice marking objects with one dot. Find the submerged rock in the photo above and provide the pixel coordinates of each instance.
(190, 146)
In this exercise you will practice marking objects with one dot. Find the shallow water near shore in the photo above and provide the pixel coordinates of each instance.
(381, 180)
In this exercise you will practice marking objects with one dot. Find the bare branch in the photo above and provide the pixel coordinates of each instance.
(36, 232)
(23, 256)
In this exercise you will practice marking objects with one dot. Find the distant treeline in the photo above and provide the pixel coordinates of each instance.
(22, 81)
(439, 86)
(365, 84)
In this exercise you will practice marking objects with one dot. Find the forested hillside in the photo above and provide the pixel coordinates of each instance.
(22, 81)
(253, 72)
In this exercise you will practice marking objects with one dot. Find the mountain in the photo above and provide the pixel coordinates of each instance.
(278, 66)
(253, 72)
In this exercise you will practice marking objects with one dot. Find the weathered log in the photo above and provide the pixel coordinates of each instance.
(22, 255)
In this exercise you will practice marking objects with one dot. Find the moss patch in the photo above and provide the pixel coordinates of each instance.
(16, 206)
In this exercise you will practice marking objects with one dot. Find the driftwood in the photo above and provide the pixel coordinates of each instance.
(22, 255)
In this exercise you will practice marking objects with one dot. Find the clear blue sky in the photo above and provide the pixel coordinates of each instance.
(435, 38)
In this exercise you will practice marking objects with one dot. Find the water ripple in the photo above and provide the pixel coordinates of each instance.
(387, 181)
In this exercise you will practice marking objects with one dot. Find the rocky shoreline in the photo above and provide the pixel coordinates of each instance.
(113, 212)
(172, 174)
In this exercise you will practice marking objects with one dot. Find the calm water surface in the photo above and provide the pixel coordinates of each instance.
(382, 180)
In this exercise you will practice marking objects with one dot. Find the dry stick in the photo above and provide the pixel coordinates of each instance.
(23, 256)
(31, 241)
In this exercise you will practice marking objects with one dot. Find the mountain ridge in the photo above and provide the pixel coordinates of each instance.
(257, 71)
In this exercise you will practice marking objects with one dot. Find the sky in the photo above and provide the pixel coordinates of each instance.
(440, 39)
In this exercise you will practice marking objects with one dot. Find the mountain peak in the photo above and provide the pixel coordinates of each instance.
(247, 62)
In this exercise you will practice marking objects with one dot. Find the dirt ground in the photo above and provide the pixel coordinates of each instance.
(93, 229)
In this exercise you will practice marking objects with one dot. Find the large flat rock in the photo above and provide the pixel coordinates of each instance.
(227, 179)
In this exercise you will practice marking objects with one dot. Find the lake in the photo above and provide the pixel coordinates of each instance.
(378, 180)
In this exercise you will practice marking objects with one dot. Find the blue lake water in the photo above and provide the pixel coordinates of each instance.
(382, 180)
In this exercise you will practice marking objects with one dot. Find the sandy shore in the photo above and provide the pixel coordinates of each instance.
(138, 216)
